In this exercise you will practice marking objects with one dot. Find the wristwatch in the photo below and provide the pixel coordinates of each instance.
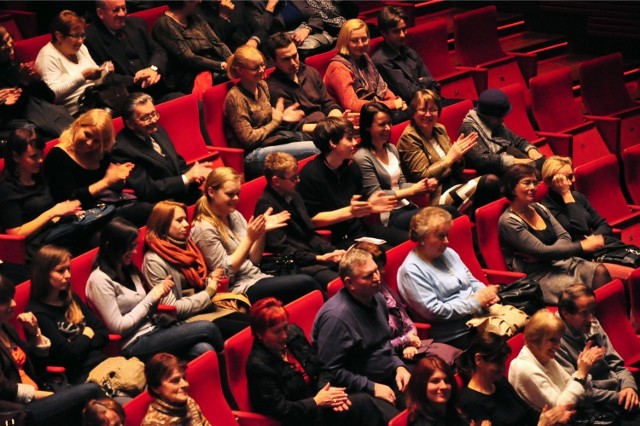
(580, 380)
(154, 68)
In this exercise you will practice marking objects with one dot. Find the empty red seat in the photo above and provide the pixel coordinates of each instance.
(631, 167)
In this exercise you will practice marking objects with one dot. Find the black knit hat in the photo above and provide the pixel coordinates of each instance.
(493, 103)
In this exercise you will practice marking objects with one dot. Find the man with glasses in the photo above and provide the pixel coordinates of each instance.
(298, 241)
(139, 61)
(160, 172)
(497, 146)
(612, 383)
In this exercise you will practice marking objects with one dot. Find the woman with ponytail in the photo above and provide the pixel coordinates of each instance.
(171, 253)
(76, 334)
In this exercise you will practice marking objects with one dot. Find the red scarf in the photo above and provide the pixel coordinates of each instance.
(189, 260)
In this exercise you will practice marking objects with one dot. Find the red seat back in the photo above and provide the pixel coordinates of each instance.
(250, 193)
(487, 231)
(401, 419)
(136, 409)
(320, 61)
(150, 16)
(395, 258)
(81, 267)
(213, 108)
(476, 36)
(27, 49)
(236, 354)
(633, 286)
(13, 248)
(552, 102)
(435, 52)
(21, 297)
(516, 343)
(602, 85)
(302, 312)
(451, 117)
(461, 240)
(396, 131)
(334, 286)
(631, 167)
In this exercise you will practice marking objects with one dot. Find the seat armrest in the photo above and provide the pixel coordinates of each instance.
(166, 309)
(560, 143)
(423, 329)
(610, 128)
(232, 157)
(468, 174)
(528, 63)
(56, 369)
(254, 419)
(502, 277)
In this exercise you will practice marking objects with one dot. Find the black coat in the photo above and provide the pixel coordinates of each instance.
(9, 374)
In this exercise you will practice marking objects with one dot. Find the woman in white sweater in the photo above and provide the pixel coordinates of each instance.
(537, 376)
(65, 62)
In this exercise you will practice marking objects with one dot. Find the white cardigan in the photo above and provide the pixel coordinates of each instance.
(542, 385)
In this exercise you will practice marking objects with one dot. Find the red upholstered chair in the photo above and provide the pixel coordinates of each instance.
(136, 409)
(633, 286)
(334, 286)
(401, 419)
(518, 119)
(213, 106)
(451, 117)
(560, 120)
(13, 248)
(516, 343)
(250, 193)
(27, 49)
(430, 40)
(374, 44)
(22, 299)
(302, 311)
(180, 118)
(477, 45)
(236, 353)
(320, 61)
(611, 311)
(150, 16)
(599, 181)
(604, 94)
(461, 240)
(396, 131)
(631, 167)
(7, 21)
(487, 231)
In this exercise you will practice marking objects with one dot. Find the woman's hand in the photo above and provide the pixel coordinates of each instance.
(332, 257)
(487, 296)
(66, 208)
(278, 110)
(275, 221)
(117, 173)
(107, 67)
(161, 290)
(592, 243)
(42, 394)
(256, 227)
(379, 202)
(213, 280)
(460, 147)
(587, 358)
(29, 323)
(10, 96)
(92, 73)
(560, 414)
(409, 352)
(425, 185)
(335, 398)
(561, 184)
(293, 113)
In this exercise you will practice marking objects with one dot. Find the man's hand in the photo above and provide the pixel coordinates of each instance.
(402, 377)
(628, 399)
(331, 257)
(359, 208)
(10, 96)
(380, 202)
(384, 392)
(147, 77)
(199, 172)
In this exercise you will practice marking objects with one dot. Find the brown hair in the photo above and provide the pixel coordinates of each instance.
(159, 368)
(417, 401)
(160, 219)
(278, 163)
(94, 412)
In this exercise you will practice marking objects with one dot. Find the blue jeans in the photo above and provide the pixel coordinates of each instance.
(64, 407)
(188, 340)
(254, 161)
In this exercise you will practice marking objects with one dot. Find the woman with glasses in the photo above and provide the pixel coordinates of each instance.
(535, 243)
(574, 212)
(65, 62)
(427, 152)
(250, 122)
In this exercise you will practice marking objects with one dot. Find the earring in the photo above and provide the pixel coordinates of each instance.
(421, 243)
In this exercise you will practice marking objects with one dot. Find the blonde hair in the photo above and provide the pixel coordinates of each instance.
(426, 221)
(278, 163)
(240, 57)
(342, 44)
(203, 211)
(541, 326)
(98, 121)
(552, 166)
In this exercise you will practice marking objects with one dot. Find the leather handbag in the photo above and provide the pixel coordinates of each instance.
(525, 294)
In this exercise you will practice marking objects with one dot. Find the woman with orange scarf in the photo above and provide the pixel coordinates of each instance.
(171, 253)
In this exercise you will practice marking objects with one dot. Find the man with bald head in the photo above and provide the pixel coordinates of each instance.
(140, 63)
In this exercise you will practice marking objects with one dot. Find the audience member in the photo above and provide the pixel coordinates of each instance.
(334, 13)
(116, 289)
(427, 152)
(167, 383)
(80, 167)
(432, 395)
(489, 397)
(103, 412)
(77, 335)
(538, 378)
(401, 66)
(297, 241)
(297, 83)
(287, 381)
(193, 47)
(573, 211)
(351, 77)
(229, 21)
(351, 335)
(296, 17)
(497, 146)
(65, 62)
(160, 173)
(137, 58)
(331, 187)
(437, 286)
(229, 242)
(20, 387)
(28, 208)
(171, 253)
(249, 120)
(533, 241)
(379, 163)
(24, 97)
(612, 383)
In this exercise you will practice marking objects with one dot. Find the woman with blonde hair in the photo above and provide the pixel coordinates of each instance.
(171, 252)
(76, 334)
(351, 77)
(252, 118)
(79, 167)
(229, 242)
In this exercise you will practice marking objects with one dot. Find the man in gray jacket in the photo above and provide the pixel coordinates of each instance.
(612, 383)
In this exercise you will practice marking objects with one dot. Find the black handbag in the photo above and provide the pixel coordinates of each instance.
(104, 96)
(524, 294)
(595, 415)
(619, 253)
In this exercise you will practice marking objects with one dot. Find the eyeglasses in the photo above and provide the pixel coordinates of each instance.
(77, 36)
(146, 119)
(529, 182)
(256, 68)
(293, 178)
(432, 111)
